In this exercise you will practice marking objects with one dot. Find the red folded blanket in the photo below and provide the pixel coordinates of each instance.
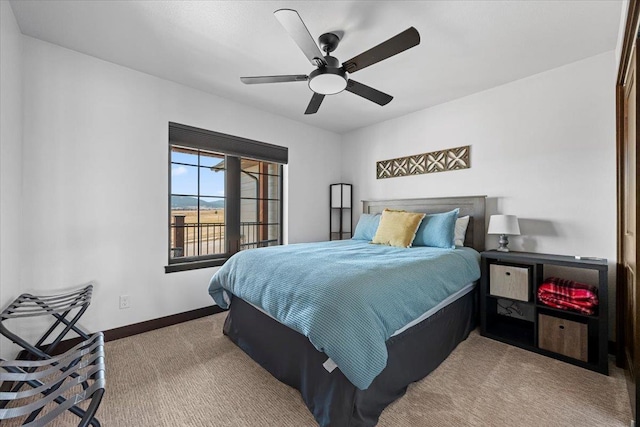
(568, 295)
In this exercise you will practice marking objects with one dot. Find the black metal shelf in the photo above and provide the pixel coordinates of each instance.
(336, 235)
(524, 333)
(513, 331)
(510, 299)
(340, 204)
(568, 313)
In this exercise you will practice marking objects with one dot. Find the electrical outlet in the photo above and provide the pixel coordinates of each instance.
(125, 302)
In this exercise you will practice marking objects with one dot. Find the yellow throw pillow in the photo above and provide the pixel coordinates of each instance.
(397, 228)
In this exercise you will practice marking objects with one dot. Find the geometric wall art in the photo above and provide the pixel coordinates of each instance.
(436, 161)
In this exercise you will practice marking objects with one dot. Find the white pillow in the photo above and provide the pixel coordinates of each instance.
(461, 229)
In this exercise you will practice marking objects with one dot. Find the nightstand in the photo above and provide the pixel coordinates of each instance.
(510, 311)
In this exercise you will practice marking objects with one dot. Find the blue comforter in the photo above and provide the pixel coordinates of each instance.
(348, 297)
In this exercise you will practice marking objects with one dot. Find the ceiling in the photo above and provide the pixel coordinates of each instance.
(466, 46)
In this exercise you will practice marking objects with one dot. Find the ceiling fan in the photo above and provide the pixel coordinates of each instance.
(329, 77)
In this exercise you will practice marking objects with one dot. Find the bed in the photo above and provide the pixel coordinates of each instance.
(348, 372)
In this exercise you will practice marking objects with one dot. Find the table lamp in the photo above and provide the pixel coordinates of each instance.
(504, 225)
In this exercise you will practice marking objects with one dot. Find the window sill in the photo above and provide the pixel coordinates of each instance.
(194, 265)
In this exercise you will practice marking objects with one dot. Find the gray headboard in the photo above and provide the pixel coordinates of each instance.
(472, 205)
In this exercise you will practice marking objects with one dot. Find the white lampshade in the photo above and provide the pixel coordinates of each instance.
(504, 224)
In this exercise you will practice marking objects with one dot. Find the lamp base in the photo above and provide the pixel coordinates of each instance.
(503, 242)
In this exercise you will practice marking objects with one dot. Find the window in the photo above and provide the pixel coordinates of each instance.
(260, 196)
(197, 223)
(225, 195)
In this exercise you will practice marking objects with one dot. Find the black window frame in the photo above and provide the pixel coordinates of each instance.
(234, 149)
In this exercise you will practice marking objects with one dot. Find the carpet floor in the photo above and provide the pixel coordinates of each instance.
(192, 375)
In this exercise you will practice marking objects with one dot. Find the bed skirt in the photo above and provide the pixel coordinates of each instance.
(331, 398)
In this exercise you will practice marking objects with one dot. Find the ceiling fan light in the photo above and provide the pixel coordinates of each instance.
(327, 81)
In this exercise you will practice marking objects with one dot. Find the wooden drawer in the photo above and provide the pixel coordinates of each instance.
(563, 336)
(509, 282)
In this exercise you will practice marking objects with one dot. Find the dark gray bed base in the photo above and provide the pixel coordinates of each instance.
(331, 397)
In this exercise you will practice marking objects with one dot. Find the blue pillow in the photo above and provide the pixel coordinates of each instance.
(437, 230)
(366, 227)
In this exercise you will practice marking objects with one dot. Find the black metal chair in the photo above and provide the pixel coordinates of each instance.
(65, 308)
(56, 385)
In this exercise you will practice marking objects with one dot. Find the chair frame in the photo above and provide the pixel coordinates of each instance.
(58, 306)
(52, 378)
(61, 307)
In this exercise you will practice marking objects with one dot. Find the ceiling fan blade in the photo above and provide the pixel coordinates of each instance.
(369, 93)
(274, 79)
(399, 43)
(314, 104)
(294, 25)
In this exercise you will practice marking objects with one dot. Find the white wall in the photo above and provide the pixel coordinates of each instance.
(10, 161)
(95, 180)
(542, 148)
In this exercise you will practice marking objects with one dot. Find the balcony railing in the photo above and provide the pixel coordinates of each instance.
(192, 240)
